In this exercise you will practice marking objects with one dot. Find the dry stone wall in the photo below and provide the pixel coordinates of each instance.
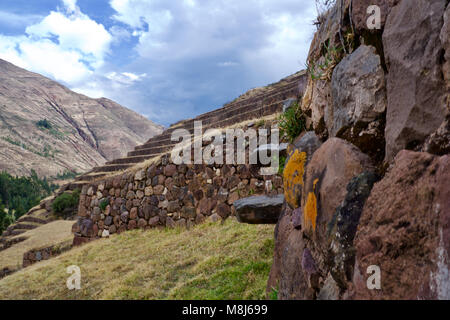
(163, 194)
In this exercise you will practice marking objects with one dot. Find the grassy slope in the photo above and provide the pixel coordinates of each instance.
(57, 232)
(210, 261)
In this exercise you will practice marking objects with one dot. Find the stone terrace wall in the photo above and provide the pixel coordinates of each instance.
(163, 194)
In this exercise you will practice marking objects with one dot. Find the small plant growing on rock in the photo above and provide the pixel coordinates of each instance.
(292, 122)
(103, 204)
(323, 69)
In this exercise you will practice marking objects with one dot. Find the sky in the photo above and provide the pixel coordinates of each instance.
(165, 59)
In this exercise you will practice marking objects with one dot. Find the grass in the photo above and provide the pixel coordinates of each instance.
(292, 123)
(48, 234)
(210, 261)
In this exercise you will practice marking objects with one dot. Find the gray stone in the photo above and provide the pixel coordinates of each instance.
(415, 84)
(259, 209)
(329, 291)
(358, 90)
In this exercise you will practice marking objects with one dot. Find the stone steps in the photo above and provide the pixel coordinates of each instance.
(112, 167)
(268, 102)
(133, 160)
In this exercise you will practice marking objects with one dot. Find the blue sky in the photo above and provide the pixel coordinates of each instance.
(166, 59)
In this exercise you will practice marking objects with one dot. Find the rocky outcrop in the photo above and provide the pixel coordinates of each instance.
(259, 210)
(79, 132)
(415, 86)
(405, 230)
(349, 217)
(331, 169)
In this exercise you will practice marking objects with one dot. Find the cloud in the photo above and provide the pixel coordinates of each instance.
(167, 59)
(13, 20)
(203, 53)
(66, 45)
(125, 78)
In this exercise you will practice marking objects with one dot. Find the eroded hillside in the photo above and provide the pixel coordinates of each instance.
(47, 127)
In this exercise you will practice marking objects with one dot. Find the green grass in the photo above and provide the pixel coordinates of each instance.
(210, 261)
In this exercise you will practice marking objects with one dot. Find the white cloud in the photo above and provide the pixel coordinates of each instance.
(71, 5)
(125, 78)
(74, 32)
(66, 45)
(228, 64)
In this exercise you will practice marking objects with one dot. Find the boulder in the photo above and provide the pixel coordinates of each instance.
(405, 230)
(342, 228)
(282, 231)
(293, 284)
(299, 155)
(415, 86)
(330, 170)
(359, 98)
(259, 209)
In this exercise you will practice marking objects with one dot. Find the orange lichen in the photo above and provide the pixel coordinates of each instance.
(310, 212)
(293, 177)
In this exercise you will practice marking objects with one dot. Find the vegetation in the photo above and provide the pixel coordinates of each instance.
(103, 204)
(46, 152)
(323, 69)
(281, 161)
(20, 194)
(51, 129)
(67, 175)
(45, 124)
(66, 203)
(6, 218)
(209, 261)
(57, 233)
(292, 122)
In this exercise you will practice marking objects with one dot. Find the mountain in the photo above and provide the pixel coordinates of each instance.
(47, 127)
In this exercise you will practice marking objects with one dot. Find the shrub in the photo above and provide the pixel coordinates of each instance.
(44, 124)
(66, 203)
(292, 122)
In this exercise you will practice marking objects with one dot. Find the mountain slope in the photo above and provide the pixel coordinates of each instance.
(47, 127)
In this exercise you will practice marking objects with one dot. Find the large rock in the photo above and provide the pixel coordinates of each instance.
(415, 86)
(293, 284)
(405, 230)
(283, 229)
(439, 141)
(359, 102)
(327, 177)
(259, 209)
(300, 153)
(331, 168)
(360, 15)
(342, 228)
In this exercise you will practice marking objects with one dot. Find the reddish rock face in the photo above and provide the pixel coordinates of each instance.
(360, 15)
(405, 230)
